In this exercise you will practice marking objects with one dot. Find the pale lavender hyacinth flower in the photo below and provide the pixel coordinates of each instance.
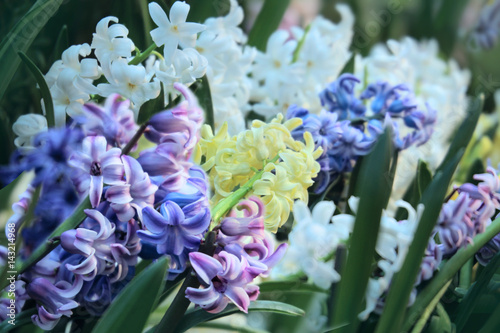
(137, 193)
(115, 120)
(97, 166)
(104, 253)
(54, 301)
(224, 278)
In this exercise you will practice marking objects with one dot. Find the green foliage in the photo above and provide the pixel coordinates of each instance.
(21, 36)
(374, 184)
(205, 99)
(267, 22)
(47, 98)
(129, 311)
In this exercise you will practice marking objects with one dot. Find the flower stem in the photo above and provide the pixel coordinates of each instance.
(134, 139)
(176, 311)
(227, 203)
(143, 56)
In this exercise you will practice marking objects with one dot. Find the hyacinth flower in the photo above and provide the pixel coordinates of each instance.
(338, 97)
(137, 192)
(97, 166)
(346, 129)
(469, 213)
(56, 300)
(114, 120)
(174, 229)
(243, 252)
(224, 278)
(396, 100)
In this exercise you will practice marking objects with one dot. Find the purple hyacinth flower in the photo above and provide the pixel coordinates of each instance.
(485, 33)
(339, 97)
(171, 230)
(487, 252)
(224, 279)
(97, 166)
(137, 193)
(250, 224)
(54, 301)
(353, 142)
(397, 100)
(115, 120)
(423, 122)
(454, 225)
(430, 262)
(49, 159)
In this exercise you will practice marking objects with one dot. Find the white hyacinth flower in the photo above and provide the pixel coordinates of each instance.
(174, 31)
(27, 127)
(130, 81)
(110, 42)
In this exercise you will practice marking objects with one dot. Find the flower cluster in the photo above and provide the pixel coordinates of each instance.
(244, 251)
(96, 260)
(289, 165)
(312, 240)
(288, 73)
(469, 212)
(439, 83)
(340, 127)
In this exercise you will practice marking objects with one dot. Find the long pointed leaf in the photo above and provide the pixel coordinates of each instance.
(475, 292)
(374, 185)
(267, 22)
(21, 36)
(448, 271)
(129, 311)
(44, 89)
(199, 316)
(403, 281)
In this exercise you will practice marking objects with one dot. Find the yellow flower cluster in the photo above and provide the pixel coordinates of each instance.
(231, 161)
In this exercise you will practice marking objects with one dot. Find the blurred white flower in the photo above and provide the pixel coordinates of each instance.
(312, 239)
(187, 66)
(26, 127)
(175, 31)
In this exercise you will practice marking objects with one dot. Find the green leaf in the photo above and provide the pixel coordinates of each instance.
(349, 66)
(440, 323)
(432, 199)
(203, 9)
(229, 327)
(474, 293)
(403, 281)
(289, 286)
(21, 36)
(491, 326)
(448, 271)
(419, 326)
(267, 22)
(205, 99)
(129, 311)
(415, 190)
(424, 178)
(151, 107)
(44, 89)
(198, 316)
(374, 185)
(62, 43)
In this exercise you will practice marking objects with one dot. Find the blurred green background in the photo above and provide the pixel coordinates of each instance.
(376, 21)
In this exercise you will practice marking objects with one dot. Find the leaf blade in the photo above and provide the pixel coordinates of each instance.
(130, 310)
